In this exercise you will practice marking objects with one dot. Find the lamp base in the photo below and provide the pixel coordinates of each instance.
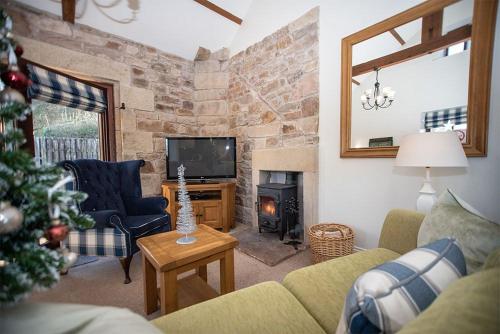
(427, 197)
(425, 202)
(185, 240)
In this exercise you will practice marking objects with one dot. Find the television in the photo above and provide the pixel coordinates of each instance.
(203, 157)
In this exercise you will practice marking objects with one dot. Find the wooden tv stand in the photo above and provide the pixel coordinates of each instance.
(213, 203)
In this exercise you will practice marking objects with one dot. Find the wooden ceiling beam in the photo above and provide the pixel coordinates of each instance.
(220, 11)
(356, 82)
(397, 36)
(453, 37)
(432, 26)
(68, 10)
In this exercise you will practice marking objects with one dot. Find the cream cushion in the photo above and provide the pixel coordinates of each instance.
(453, 217)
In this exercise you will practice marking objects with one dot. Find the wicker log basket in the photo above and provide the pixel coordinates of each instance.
(329, 241)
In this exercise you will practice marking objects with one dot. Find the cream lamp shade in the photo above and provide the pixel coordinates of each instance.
(430, 149)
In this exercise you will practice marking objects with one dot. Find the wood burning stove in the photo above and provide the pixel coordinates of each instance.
(277, 208)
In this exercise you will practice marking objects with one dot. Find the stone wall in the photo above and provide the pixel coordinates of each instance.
(156, 87)
(273, 98)
(211, 81)
(267, 96)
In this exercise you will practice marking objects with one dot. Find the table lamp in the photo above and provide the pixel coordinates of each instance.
(430, 149)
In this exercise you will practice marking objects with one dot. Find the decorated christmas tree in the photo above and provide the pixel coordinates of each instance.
(36, 212)
(185, 220)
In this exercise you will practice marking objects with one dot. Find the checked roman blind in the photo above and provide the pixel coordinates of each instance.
(437, 118)
(59, 89)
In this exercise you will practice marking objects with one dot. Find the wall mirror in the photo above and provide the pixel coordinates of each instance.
(426, 69)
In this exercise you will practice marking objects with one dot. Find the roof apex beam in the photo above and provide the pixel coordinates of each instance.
(397, 36)
(220, 11)
(432, 26)
(455, 36)
(68, 10)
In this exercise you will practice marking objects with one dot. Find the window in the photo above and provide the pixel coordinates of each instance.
(64, 133)
(72, 118)
(450, 119)
(457, 48)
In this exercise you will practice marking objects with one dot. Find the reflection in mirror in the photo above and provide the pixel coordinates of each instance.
(424, 93)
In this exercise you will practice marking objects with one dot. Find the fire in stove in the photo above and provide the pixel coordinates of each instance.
(268, 206)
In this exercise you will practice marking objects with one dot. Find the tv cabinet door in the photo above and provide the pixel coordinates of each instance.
(210, 213)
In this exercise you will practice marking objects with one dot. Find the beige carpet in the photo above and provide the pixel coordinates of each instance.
(101, 282)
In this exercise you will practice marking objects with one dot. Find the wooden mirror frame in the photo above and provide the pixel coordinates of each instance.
(481, 55)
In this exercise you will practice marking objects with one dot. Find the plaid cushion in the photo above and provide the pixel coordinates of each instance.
(101, 242)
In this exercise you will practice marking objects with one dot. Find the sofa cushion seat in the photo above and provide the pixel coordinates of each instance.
(469, 305)
(493, 260)
(263, 308)
(140, 225)
(322, 288)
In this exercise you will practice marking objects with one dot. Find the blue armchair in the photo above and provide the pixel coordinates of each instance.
(116, 204)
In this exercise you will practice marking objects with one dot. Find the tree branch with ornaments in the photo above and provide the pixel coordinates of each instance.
(36, 210)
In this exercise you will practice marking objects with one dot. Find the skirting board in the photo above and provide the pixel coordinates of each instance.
(358, 249)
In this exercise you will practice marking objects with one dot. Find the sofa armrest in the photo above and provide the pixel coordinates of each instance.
(105, 218)
(400, 230)
(145, 206)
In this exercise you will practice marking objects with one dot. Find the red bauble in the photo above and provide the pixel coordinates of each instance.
(19, 51)
(16, 80)
(57, 233)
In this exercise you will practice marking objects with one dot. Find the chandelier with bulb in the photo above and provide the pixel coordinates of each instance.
(133, 5)
(374, 98)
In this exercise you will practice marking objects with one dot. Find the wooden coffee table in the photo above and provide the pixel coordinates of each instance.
(162, 255)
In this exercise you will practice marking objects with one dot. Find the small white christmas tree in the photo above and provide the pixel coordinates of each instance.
(185, 219)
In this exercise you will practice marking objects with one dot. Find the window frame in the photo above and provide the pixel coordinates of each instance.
(107, 139)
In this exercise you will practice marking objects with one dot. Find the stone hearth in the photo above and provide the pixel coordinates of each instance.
(293, 159)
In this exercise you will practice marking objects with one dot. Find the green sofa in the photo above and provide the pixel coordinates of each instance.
(310, 299)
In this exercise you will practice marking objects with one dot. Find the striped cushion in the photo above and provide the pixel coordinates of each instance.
(387, 297)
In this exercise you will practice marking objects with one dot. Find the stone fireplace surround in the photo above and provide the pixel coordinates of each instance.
(292, 159)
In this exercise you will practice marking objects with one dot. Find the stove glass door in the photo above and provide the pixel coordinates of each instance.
(268, 206)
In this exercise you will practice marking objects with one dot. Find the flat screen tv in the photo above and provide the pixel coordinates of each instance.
(203, 157)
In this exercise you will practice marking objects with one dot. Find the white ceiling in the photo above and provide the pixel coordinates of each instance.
(175, 26)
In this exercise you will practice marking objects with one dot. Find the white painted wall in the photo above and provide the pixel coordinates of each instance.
(424, 84)
(359, 192)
